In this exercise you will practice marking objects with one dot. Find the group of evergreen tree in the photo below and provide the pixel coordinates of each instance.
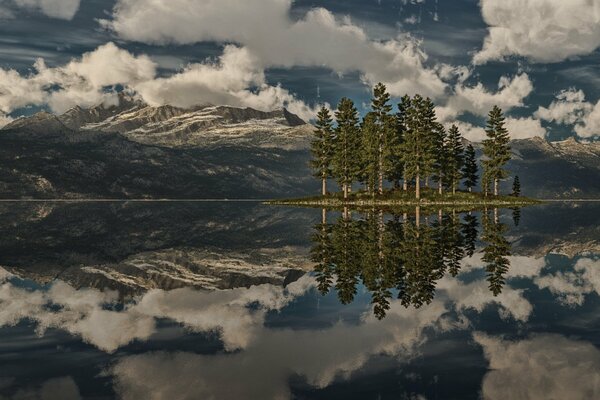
(402, 256)
(410, 146)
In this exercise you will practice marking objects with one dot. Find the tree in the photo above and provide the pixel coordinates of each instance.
(369, 168)
(495, 149)
(322, 147)
(396, 169)
(418, 153)
(469, 170)
(455, 157)
(381, 110)
(346, 157)
(441, 156)
(496, 252)
(516, 188)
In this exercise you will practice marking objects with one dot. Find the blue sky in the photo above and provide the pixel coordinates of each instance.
(538, 59)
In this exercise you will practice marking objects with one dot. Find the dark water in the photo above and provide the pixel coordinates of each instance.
(246, 301)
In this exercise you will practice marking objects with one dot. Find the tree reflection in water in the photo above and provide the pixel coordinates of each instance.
(403, 256)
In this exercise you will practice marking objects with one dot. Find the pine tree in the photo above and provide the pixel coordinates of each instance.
(469, 170)
(418, 153)
(495, 149)
(455, 158)
(441, 157)
(396, 168)
(381, 109)
(322, 147)
(496, 252)
(430, 127)
(516, 187)
(369, 169)
(346, 158)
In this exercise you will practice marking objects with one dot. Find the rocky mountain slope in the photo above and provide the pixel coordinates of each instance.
(134, 150)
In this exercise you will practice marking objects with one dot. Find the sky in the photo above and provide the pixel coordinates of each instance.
(538, 60)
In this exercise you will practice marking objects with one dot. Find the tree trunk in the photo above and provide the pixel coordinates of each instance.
(418, 187)
(427, 181)
(495, 215)
(440, 186)
(417, 217)
(405, 182)
(440, 215)
(470, 189)
(495, 187)
(324, 187)
(453, 188)
(324, 216)
(345, 191)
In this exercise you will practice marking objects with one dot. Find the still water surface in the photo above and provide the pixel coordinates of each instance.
(247, 301)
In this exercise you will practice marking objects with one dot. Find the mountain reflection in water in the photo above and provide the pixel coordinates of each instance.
(224, 301)
(397, 255)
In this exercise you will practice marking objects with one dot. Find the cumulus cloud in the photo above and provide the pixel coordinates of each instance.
(61, 9)
(319, 356)
(234, 79)
(524, 128)
(88, 314)
(541, 30)
(571, 108)
(265, 29)
(542, 367)
(479, 101)
(571, 286)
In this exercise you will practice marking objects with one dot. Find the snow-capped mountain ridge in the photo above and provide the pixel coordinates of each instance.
(204, 125)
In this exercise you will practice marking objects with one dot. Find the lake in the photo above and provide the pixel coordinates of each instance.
(239, 300)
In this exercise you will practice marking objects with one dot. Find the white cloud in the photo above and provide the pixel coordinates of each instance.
(590, 127)
(83, 312)
(541, 30)
(524, 128)
(479, 101)
(234, 79)
(570, 108)
(61, 9)
(571, 286)
(265, 29)
(542, 367)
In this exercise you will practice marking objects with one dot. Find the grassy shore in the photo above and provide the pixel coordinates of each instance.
(429, 198)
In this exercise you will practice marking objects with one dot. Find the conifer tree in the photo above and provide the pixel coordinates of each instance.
(381, 109)
(322, 147)
(455, 158)
(418, 153)
(346, 157)
(495, 149)
(430, 127)
(469, 170)
(516, 187)
(396, 169)
(495, 253)
(369, 168)
(441, 157)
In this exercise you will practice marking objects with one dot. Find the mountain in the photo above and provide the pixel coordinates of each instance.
(132, 247)
(135, 150)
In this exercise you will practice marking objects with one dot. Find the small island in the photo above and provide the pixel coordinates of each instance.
(406, 159)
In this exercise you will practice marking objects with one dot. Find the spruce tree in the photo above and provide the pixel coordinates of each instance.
(418, 147)
(369, 168)
(455, 157)
(346, 157)
(495, 149)
(516, 187)
(441, 157)
(396, 168)
(381, 109)
(322, 148)
(496, 252)
(469, 170)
